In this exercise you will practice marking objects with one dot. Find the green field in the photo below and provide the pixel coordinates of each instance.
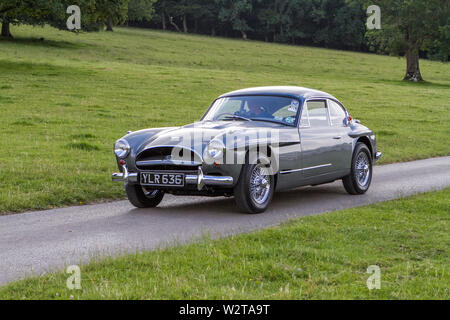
(65, 100)
(317, 257)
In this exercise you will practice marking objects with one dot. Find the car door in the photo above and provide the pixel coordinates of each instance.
(318, 140)
(342, 153)
(289, 148)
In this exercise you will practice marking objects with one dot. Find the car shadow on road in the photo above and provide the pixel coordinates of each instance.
(290, 200)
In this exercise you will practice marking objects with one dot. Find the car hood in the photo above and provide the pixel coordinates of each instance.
(199, 134)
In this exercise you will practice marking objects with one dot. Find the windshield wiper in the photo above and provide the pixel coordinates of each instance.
(235, 117)
(270, 120)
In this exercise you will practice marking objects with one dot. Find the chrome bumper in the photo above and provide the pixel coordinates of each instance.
(198, 179)
(124, 176)
(378, 155)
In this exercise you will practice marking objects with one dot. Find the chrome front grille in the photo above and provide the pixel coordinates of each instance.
(171, 158)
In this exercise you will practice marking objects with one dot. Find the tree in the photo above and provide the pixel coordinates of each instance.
(337, 24)
(7, 11)
(439, 48)
(111, 12)
(40, 12)
(183, 9)
(171, 9)
(179, 10)
(406, 25)
(23, 11)
(207, 13)
(140, 10)
(237, 13)
(276, 18)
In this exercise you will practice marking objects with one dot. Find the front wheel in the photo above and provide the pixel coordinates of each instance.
(360, 177)
(255, 188)
(142, 197)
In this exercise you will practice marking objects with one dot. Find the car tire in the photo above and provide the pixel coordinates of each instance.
(360, 177)
(142, 198)
(255, 188)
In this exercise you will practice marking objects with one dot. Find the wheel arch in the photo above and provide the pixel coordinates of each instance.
(268, 154)
(366, 141)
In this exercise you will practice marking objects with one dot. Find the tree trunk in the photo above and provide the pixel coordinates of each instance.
(109, 25)
(185, 28)
(244, 35)
(412, 66)
(164, 21)
(174, 24)
(5, 30)
(164, 15)
(213, 31)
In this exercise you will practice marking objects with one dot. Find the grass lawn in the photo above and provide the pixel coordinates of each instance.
(66, 99)
(316, 257)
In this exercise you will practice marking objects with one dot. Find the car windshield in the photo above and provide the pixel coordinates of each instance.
(263, 108)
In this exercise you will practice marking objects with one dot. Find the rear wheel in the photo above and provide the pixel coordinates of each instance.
(360, 177)
(255, 188)
(142, 197)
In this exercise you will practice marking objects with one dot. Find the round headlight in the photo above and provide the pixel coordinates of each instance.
(121, 148)
(215, 149)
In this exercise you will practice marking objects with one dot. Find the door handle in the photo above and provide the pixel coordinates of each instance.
(337, 137)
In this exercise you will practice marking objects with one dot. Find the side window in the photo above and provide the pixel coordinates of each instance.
(337, 113)
(317, 112)
(304, 118)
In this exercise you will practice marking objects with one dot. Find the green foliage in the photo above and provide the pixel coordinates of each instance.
(88, 18)
(411, 24)
(40, 12)
(34, 12)
(407, 25)
(94, 13)
(330, 23)
(140, 10)
(237, 13)
(439, 47)
(111, 12)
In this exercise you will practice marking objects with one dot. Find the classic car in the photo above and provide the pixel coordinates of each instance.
(249, 144)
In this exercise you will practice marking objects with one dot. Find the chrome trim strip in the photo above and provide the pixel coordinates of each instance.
(305, 169)
(174, 162)
(199, 179)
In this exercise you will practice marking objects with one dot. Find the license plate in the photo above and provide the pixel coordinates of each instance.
(162, 179)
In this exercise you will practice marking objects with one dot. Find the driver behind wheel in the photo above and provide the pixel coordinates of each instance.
(256, 110)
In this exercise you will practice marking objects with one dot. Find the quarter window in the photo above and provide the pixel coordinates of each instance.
(317, 113)
(337, 113)
(304, 118)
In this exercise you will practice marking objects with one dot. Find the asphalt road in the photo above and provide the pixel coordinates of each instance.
(42, 241)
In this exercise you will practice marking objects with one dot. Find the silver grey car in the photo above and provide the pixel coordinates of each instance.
(249, 144)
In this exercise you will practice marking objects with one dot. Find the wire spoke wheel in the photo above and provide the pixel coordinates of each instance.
(255, 187)
(362, 169)
(260, 183)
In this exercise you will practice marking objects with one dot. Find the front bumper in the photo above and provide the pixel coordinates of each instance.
(198, 179)
(378, 155)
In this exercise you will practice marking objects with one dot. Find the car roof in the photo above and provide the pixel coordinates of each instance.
(290, 91)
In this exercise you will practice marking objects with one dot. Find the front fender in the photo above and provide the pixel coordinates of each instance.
(137, 140)
(364, 134)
